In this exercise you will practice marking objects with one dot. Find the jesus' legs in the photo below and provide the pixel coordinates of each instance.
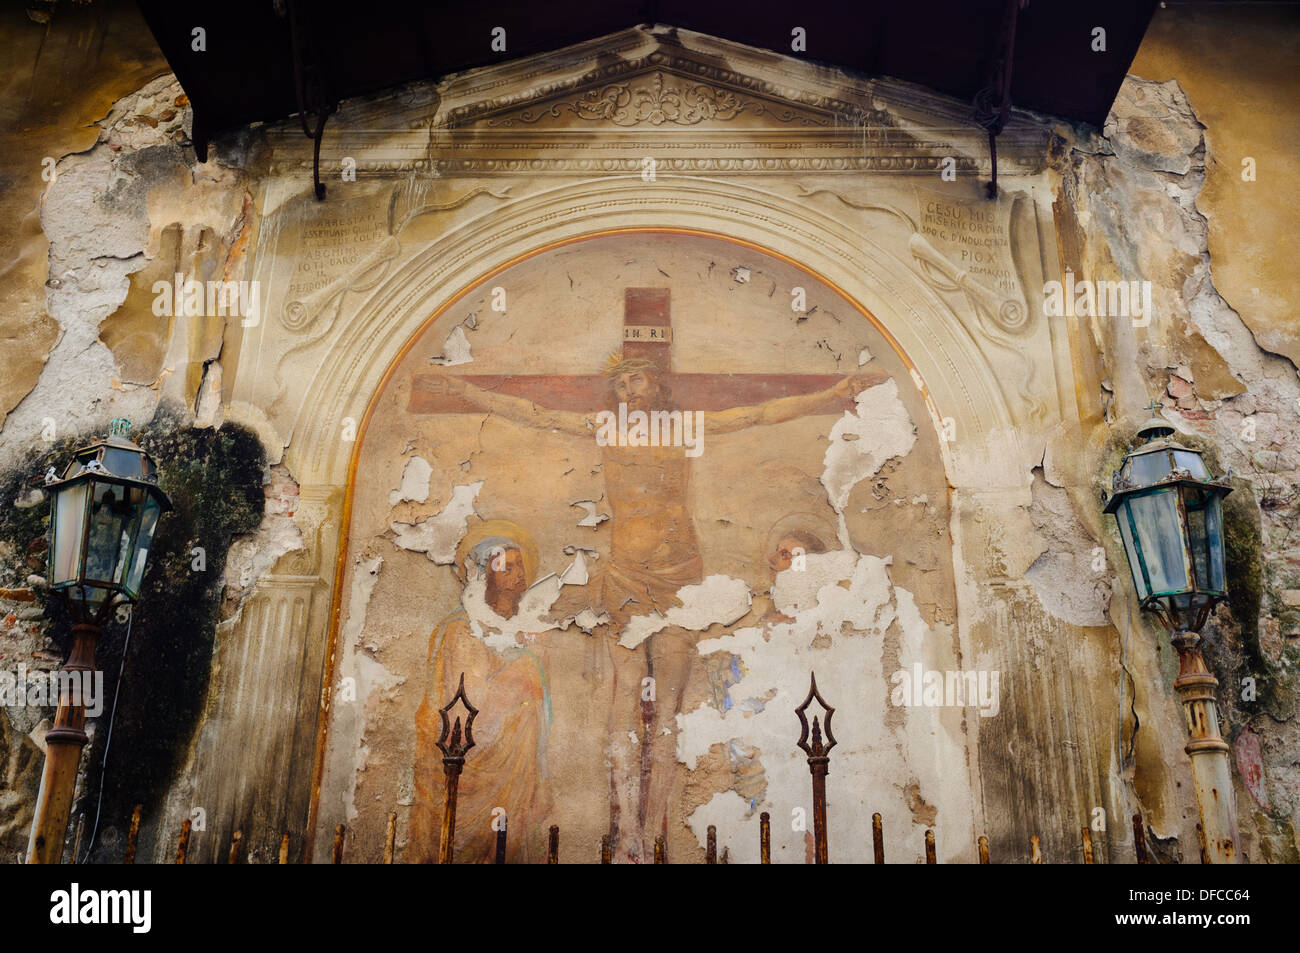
(627, 668)
(670, 654)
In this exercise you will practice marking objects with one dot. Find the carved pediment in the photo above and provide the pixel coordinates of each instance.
(664, 90)
(696, 103)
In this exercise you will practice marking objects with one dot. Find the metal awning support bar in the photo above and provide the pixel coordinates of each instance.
(310, 84)
(993, 102)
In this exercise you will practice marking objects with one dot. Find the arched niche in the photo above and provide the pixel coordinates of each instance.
(751, 324)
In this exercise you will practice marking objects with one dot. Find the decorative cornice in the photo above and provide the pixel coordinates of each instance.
(632, 91)
(901, 162)
(697, 104)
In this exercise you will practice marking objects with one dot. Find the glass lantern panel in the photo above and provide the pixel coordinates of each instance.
(1147, 468)
(1214, 538)
(79, 462)
(143, 542)
(1194, 504)
(1205, 536)
(94, 596)
(1184, 608)
(1160, 536)
(122, 462)
(112, 513)
(1134, 565)
(131, 535)
(1192, 463)
(68, 518)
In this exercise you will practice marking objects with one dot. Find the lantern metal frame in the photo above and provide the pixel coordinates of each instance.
(115, 461)
(1163, 467)
(1177, 475)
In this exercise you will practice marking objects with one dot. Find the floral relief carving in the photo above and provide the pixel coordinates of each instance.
(656, 102)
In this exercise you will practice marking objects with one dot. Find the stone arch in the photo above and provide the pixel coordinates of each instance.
(946, 366)
(947, 363)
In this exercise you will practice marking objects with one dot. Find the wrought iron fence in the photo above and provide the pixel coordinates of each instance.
(816, 740)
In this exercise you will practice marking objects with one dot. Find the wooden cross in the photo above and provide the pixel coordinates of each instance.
(647, 333)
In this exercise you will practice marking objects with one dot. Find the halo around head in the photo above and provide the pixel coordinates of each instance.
(805, 522)
(504, 529)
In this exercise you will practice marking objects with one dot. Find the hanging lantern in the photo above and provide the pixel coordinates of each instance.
(1170, 516)
(103, 512)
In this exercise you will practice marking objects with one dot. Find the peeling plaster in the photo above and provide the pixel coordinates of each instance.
(845, 611)
(366, 677)
(438, 536)
(1064, 577)
(415, 482)
(590, 516)
(719, 600)
(455, 350)
(882, 418)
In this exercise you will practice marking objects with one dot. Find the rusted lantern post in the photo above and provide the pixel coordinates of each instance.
(454, 746)
(1170, 516)
(103, 513)
(818, 753)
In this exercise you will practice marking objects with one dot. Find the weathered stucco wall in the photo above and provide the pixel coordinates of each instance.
(971, 534)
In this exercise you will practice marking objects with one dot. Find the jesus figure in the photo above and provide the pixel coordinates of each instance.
(654, 552)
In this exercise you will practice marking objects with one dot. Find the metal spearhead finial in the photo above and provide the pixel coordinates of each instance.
(450, 742)
(816, 749)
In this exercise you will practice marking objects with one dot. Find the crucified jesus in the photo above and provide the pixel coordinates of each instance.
(654, 552)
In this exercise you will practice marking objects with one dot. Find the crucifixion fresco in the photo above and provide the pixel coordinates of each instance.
(654, 548)
(588, 644)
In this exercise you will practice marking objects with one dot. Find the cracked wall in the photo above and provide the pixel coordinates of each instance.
(1160, 195)
(960, 522)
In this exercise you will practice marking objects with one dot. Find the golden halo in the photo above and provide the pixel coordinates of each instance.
(507, 530)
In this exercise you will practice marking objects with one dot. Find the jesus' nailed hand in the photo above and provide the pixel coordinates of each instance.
(642, 412)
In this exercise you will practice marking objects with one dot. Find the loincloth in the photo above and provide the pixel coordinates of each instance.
(623, 591)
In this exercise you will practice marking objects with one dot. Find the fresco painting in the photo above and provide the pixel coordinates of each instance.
(607, 475)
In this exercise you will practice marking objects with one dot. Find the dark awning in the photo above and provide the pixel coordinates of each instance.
(246, 72)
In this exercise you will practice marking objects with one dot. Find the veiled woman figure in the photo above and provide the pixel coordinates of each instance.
(793, 536)
(504, 778)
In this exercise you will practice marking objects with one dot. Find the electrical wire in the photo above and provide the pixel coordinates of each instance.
(103, 764)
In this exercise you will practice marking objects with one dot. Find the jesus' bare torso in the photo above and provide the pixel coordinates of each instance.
(654, 551)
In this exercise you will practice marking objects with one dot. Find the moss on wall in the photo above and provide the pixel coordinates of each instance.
(214, 478)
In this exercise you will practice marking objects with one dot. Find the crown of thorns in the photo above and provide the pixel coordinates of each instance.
(619, 365)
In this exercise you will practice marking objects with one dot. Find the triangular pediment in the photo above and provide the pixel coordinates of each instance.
(697, 102)
(661, 89)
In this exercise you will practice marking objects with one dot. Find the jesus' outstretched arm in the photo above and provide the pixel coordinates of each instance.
(781, 409)
(519, 409)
